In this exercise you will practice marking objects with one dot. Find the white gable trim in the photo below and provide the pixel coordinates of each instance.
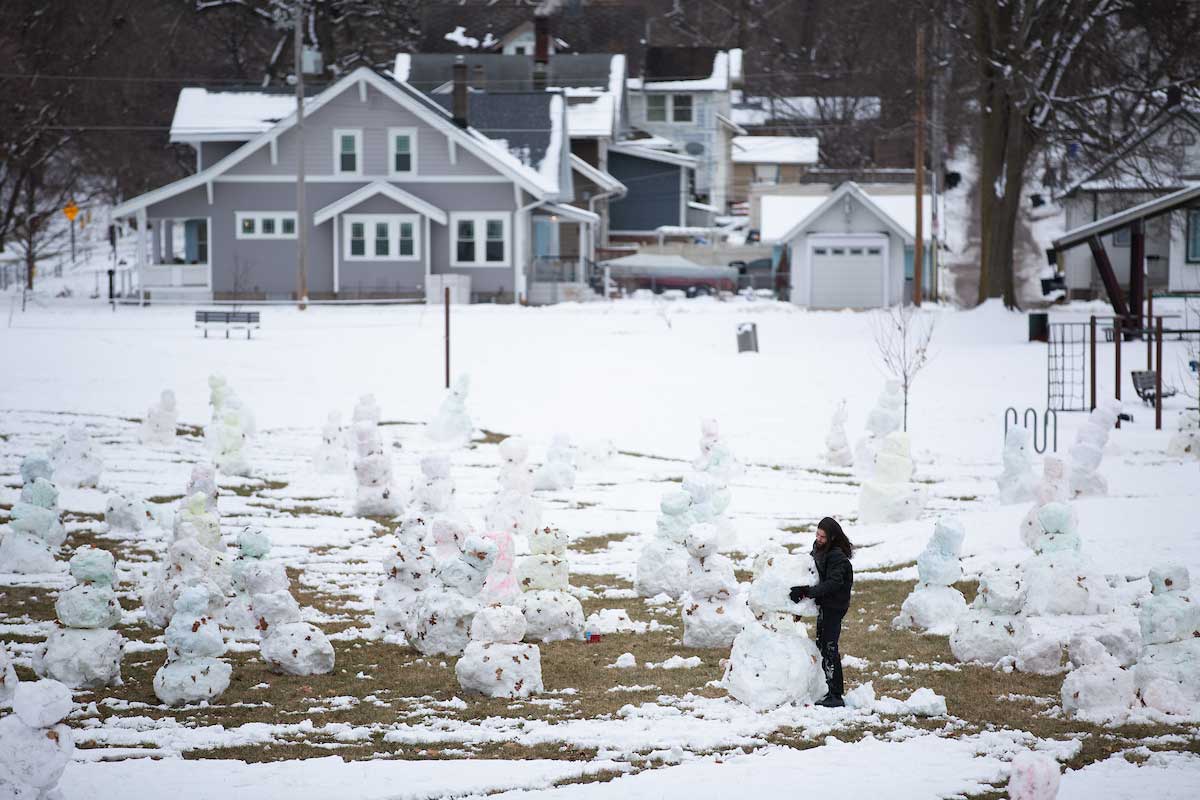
(472, 140)
(596, 176)
(848, 188)
(387, 190)
(636, 151)
(571, 213)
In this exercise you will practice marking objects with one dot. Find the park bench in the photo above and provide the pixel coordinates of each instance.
(229, 320)
(1143, 384)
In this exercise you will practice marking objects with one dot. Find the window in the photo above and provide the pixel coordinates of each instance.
(656, 108)
(1193, 235)
(202, 241)
(682, 108)
(481, 239)
(1122, 237)
(874, 251)
(766, 173)
(380, 237)
(402, 151)
(265, 224)
(347, 152)
(819, 251)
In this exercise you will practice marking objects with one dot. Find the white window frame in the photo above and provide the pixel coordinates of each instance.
(760, 177)
(691, 109)
(480, 218)
(258, 217)
(411, 133)
(357, 133)
(393, 221)
(666, 106)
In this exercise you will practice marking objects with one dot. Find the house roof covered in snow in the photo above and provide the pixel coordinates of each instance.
(545, 182)
(775, 150)
(204, 115)
(528, 124)
(784, 217)
(690, 69)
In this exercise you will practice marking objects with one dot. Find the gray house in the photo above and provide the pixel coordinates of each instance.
(1162, 158)
(400, 191)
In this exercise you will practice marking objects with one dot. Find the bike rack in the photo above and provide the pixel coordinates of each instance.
(1048, 416)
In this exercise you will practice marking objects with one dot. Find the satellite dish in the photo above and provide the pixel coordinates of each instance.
(694, 148)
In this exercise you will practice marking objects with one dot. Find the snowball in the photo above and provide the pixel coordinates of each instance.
(625, 661)
(1169, 578)
(459, 575)
(932, 609)
(191, 681)
(92, 565)
(1000, 591)
(661, 568)
(948, 536)
(441, 622)
(499, 669)
(558, 472)
(274, 609)
(551, 616)
(925, 703)
(203, 481)
(767, 670)
(711, 624)
(770, 591)
(765, 559)
(1098, 691)
(125, 514)
(987, 637)
(861, 697)
(259, 577)
(253, 543)
(88, 606)
(701, 540)
(41, 704)
(297, 648)
(1172, 665)
(1041, 655)
(498, 624)
(40, 492)
(410, 564)
(500, 585)
(450, 532)
(81, 659)
(190, 636)
(367, 410)
(542, 572)
(675, 502)
(548, 541)
(1034, 776)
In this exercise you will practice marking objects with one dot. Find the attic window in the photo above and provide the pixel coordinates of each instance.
(347, 152)
(681, 108)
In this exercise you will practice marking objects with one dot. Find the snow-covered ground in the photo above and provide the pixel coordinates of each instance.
(639, 375)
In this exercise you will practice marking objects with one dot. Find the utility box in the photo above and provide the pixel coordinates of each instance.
(1039, 326)
(747, 337)
(459, 286)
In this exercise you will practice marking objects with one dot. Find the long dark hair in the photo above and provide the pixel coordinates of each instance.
(835, 536)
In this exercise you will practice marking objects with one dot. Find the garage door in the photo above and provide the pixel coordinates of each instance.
(847, 276)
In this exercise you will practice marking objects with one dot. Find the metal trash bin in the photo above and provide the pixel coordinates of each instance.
(747, 337)
(1039, 326)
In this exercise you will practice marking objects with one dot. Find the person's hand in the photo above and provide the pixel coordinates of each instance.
(799, 593)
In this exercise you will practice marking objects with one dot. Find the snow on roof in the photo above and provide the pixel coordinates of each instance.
(774, 150)
(231, 116)
(750, 110)
(460, 38)
(636, 150)
(595, 117)
(727, 69)
(780, 213)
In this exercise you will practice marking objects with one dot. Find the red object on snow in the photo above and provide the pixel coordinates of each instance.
(593, 638)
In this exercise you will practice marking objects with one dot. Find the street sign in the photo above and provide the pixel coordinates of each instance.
(71, 210)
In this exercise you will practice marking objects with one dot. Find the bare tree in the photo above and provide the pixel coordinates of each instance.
(902, 334)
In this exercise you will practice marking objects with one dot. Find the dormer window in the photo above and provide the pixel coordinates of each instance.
(402, 152)
(347, 152)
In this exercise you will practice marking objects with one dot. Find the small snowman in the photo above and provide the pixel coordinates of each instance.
(711, 614)
(551, 612)
(75, 461)
(252, 574)
(935, 606)
(158, 428)
(85, 653)
(330, 457)
(193, 672)
(558, 472)
(35, 746)
(289, 645)
(495, 662)
(452, 426)
(442, 614)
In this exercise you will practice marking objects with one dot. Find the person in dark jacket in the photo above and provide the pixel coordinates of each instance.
(832, 552)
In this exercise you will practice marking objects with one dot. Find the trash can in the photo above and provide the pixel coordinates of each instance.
(747, 337)
(1039, 326)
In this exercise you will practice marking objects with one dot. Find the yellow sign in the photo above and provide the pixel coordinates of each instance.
(71, 210)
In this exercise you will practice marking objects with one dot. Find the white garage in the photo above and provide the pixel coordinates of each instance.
(847, 272)
(849, 250)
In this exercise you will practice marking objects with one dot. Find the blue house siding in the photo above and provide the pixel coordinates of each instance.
(653, 197)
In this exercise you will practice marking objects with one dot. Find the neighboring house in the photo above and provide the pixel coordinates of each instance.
(684, 95)
(1162, 158)
(592, 85)
(659, 195)
(850, 246)
(752, 111)
(769, 161)
(399, 191)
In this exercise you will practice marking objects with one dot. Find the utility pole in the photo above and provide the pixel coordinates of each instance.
(301, 207)
(937, 146)
(919, 158)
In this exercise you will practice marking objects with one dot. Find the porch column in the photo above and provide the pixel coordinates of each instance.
(581, 261)
(168, 242)
(156, 242)
(1137, 271)
(141, 255)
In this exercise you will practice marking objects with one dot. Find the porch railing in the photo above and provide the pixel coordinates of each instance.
(174, 275)
(563, 269)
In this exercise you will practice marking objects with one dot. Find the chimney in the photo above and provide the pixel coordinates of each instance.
(459, 106)
(1174, 95)
(541, 51)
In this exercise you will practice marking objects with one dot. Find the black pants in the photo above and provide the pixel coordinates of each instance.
(829, 630)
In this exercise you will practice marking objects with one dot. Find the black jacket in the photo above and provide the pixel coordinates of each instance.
(836, 577)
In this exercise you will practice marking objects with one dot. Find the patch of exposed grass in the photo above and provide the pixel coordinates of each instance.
(490, 437)
(594, 544)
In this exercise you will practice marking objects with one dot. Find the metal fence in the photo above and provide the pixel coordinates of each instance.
(1066, 367)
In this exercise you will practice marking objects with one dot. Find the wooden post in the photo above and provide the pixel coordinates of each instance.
(1092, 371)
(1149, 322)
(1117, 336)
(919, 163)
(1111, 287)
(1158, 374)
(446, 303)
(1137, 272)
